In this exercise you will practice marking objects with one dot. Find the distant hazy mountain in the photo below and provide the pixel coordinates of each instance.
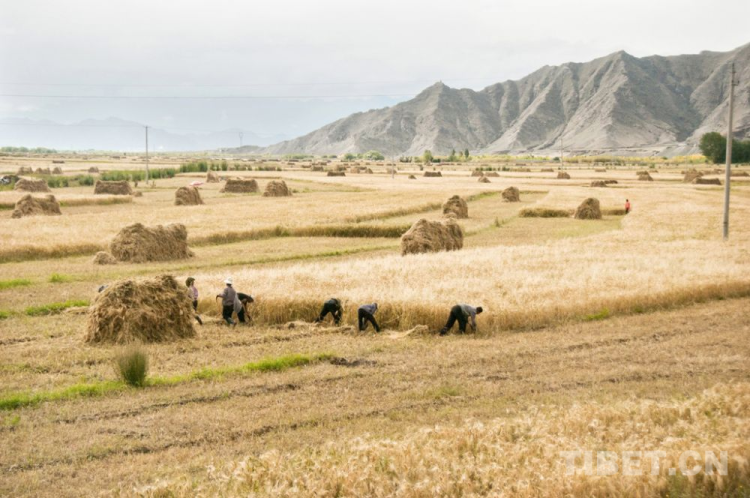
(117, 134)
(616, 102)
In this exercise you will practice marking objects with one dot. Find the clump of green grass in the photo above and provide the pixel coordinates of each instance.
(132, 366)
(16, 282)
(602, 315)
(54, 308)
(59, 278)
(4, 315)
(541, 212)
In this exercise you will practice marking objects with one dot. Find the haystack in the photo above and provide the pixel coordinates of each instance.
(137, 243)
(187, 196)
(645, 177)
(433, 173)
(484, 179)
(493, 174)
(45, 171)
(738, 173)
(24, 170)
(336, 173)
(547, 170)
(316, 168)
(155, 309)
(121, 187)
(706, 181)
(512, 194)
(240, 186)
(589, 210)
(561, 175)
(212, 177)
(412, 177)
(600, 170)
(57, 171)
(691, 175)
(368, 171)
(277, 188)
(30, 185)
(93, 169)
(104, 258)
(456, 206)
(476, 172)
(432, 236)
(598, 183)
(610, 182)
(28, 205)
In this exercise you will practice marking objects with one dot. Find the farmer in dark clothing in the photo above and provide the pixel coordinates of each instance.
(228, 297)
(463, 314)
(244, 299)
(365, 314)
(332, 306)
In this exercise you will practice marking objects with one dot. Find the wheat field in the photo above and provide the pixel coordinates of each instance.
(626, 333)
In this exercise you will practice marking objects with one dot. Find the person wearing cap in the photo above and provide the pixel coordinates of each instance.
(228, 297)
(366, 313)
(332, 306)
(192, 292)
(463, 314)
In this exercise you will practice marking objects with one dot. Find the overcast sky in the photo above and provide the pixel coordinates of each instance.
(337, 56)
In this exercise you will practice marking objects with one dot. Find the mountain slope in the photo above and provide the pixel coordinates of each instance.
(612, 103)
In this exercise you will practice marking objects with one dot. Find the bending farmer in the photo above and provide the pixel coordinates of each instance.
(332, 306)
(365, 314)
(463, 314)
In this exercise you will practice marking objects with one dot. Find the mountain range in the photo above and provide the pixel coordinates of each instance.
(616, 103)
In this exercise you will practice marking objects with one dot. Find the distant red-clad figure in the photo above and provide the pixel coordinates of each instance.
(627, 206)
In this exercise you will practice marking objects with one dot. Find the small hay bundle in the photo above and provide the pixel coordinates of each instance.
(277, 188)
(28, 205)
(432, 236)
(121, 187)
(316, 168)
(137, 243)
(30, 185)
(547, 170)
(645, 177)
(476, 172)
(484, 179)
(589, 210)
(368, 171)
(240, 186)
(155, 309)
(24, 170)
(45, 171)
(412, 177)
(187, 196)
(93, 169)
(212, 177)
(610, 182)
(512, 194)
(433, 174)
(738, 173)
(456, 206)
(104, 258)
(598, 183)
(562, 175)
(336, 173)
(57, 171)
(706, 181)
(691, 175)
(600, 170)
(493, 174)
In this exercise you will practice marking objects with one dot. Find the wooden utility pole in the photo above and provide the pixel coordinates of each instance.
(728, 166)
(146, 154)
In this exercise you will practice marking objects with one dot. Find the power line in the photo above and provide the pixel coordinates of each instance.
(134, 126)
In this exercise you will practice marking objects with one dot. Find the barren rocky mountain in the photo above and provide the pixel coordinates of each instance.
(614, 103)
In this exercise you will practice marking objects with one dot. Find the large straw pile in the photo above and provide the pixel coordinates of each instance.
(589, 210)
(493, 174)
(599, 183)
(24, 170)
(477, 172)
(706, 181)
(456, 206)
(137, 243)
(45, 171)
(412, 177)
(155, 309)
(645, 177)
(187, 196)
(28, 205)
(30, 185)
(212, 177)
(57, 171)
(276, 188)
(113, 188)
(93, 169)
(336, 173)
(561, 175)
(432, 236)
(433, 173)
(104, 258)
(512, 194)
(240, 186)
(691, 175)
(484, 179)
